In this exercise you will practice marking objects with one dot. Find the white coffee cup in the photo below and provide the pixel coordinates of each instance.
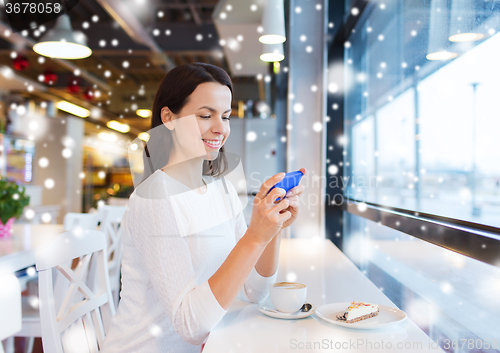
(288, 297)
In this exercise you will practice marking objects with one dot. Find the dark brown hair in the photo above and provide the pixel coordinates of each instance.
(174, 92)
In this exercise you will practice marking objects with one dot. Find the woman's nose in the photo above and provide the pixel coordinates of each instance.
(218, 126)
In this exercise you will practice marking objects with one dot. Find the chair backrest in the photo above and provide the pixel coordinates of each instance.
(82, 319)
(86, 221)
(10, 306)
(110, 217)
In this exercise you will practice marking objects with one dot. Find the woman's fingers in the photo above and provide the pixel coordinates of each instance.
(280, 206)
(268, 184)
(299, 189)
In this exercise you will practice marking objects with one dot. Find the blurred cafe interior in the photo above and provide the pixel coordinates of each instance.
(390, 105)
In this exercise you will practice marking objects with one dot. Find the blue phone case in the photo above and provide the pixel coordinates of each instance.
(290, 181)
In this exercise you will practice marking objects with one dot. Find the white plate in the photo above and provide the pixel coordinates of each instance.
(387, 316)
(266, 307)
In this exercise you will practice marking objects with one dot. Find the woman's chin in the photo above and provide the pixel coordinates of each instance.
(211, 155)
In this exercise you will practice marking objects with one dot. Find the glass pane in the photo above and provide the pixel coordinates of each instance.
(425, 131)
(448, 295)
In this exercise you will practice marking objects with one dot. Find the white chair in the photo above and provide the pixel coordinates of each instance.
(111, 217)
(31, 327)
(78, 323)
(117, 201)
(86, 221)
(10, 308)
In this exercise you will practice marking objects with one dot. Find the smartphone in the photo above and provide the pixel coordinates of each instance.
(290, 181)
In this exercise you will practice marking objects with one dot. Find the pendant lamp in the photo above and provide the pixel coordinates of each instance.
(463, 22)
(438, 32)
(62, 42)
(272, 52)
(273, 23)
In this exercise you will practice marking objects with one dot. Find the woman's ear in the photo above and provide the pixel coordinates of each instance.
(166, 118)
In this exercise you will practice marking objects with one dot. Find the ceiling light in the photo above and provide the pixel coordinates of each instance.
(438, 33)
(441, 55)
(272, 53)
(62, 42)
(73, 109)
(115, 125)
(463, 22)
(273, 23)
(466, 37)
(106, 136)
(144, 136)
(143, 113)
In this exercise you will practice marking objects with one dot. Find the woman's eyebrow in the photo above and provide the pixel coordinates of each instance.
(212, 109)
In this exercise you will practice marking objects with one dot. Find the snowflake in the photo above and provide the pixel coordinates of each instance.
(317, 126)
(95, 18)
(66, 153)
(49, 183)
(298, 108)
(333, 87)
(251, 136)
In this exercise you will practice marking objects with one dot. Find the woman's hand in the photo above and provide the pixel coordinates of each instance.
(294, 206)
(268, 217)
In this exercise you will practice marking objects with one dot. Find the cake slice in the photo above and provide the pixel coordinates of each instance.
(358, 311)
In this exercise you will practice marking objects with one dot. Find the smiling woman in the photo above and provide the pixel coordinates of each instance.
(187, 251)
(198, 89)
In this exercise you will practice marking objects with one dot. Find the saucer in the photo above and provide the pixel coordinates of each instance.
(268, 309)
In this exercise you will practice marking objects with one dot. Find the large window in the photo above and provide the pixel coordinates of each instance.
(425, 132)
(422, 159)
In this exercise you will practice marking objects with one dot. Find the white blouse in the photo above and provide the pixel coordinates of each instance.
(174, 240)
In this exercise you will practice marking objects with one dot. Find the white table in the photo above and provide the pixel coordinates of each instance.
(18, 251)
(330, 277)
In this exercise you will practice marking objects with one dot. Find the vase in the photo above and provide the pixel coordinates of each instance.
(5, 229)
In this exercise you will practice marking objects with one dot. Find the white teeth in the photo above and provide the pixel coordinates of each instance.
(214, 143)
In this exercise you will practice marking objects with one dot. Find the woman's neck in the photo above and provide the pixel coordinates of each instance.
(187, 172)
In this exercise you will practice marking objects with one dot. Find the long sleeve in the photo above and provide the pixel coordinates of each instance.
(256, 287)
(192, 308)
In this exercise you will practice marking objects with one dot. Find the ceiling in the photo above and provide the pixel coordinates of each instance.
(134, 43)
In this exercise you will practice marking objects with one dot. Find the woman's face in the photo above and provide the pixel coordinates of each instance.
(208, 108)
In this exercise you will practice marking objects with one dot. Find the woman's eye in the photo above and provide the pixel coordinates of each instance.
(226, 117)
(205, 117)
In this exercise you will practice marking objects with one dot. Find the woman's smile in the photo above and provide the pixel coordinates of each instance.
(215, 144)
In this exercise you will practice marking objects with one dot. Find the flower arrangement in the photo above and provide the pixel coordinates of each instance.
(12, 200)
